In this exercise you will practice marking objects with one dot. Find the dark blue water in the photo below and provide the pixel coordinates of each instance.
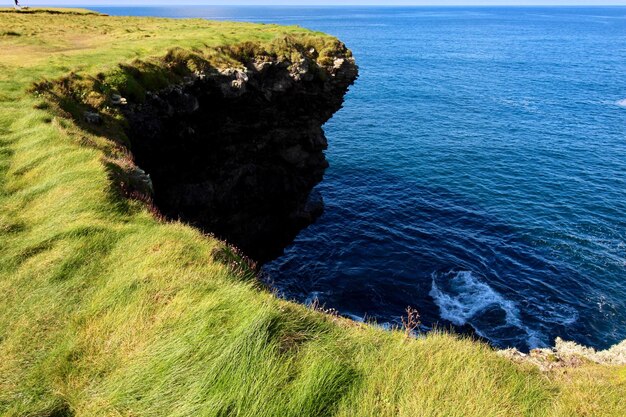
(478, 170)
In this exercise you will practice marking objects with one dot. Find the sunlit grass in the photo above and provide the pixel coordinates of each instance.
(107, 311)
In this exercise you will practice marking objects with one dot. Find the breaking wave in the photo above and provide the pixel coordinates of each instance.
(464, 299)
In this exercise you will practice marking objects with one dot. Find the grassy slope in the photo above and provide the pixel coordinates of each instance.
(106, 311)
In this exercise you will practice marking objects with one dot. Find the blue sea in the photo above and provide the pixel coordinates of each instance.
(477, 171)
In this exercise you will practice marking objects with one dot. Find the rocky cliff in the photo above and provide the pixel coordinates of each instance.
(238, 151)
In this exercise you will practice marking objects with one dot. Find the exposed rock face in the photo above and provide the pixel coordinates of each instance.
(568, 354)
(237, 152)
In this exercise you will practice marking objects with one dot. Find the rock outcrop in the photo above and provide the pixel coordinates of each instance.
(568, 354)
(237, 152)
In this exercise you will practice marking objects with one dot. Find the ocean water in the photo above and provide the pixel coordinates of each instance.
(477, 171)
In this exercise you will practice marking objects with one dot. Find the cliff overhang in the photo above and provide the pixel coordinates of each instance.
(232, 145)
(238, 151)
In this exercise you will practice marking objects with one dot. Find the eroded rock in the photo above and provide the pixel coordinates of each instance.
(568, 354)
(93, 118)
(238, 152)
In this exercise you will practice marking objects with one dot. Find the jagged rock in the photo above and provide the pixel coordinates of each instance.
(238, 152)
(228, 72)
(242, 76)
(300, 71)
(237, 84)
(141, 181)
(199, 75)
(568, 354)
(93, 118)
(118, 100)
(261, 66)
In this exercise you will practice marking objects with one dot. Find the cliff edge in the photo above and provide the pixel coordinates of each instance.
(237, 151)
(229, 139)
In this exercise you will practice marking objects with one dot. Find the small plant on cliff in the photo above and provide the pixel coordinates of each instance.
(411, 322)
(317, 306)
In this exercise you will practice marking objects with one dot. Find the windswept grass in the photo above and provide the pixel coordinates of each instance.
(108, 311)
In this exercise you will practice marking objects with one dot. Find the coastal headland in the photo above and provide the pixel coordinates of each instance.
(131, 151)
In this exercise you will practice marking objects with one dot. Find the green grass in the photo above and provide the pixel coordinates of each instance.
(108, 311)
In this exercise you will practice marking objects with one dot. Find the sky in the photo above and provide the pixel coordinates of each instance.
(320, 2)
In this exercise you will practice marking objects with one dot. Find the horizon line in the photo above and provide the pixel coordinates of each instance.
(338, 5)
(327, 3)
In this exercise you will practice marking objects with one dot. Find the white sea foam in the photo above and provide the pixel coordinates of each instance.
(621, 103)
(467, 296)
(461, 296)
